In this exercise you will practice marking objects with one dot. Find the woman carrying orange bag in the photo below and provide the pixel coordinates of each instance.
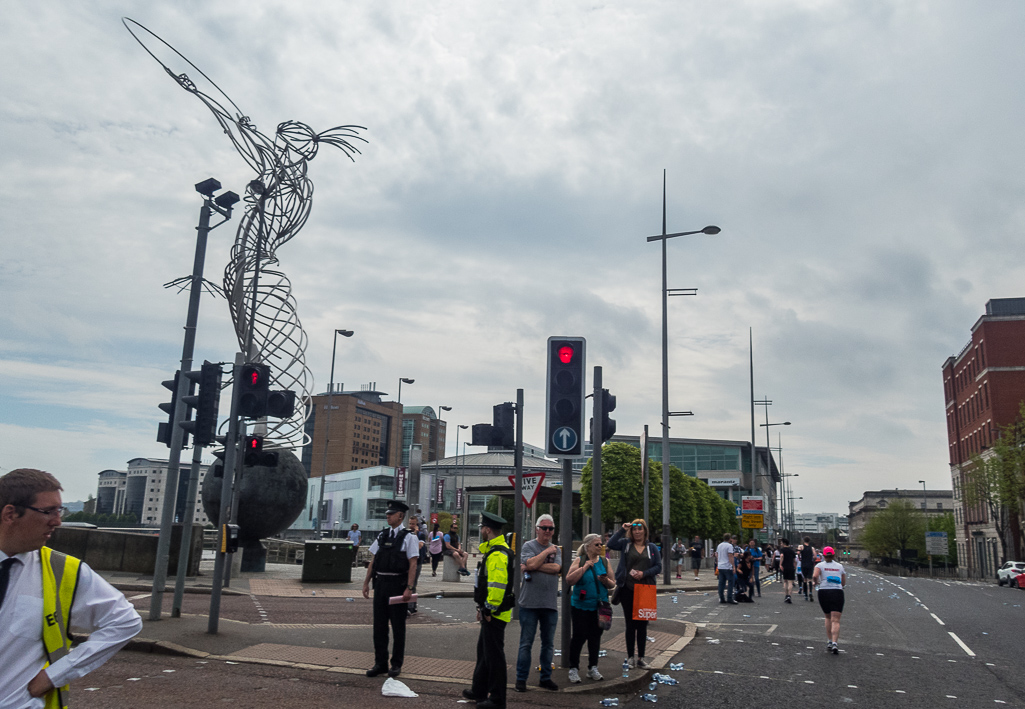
(640, 563)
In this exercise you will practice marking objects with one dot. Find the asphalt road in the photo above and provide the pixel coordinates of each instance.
(904, 643)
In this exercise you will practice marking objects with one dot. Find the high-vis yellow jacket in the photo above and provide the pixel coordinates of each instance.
(493, 578)
(60, 578)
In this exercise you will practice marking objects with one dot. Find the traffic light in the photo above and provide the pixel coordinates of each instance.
(164, 429)
(205, 402)
(255, 455)
(281, 403)
(608, 405)
(252, 398)
(564, 420)
(504, 417)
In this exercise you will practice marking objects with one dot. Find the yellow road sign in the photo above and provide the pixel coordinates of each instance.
(752, 521)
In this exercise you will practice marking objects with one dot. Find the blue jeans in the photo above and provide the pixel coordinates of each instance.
(529, 619)
(726, 583)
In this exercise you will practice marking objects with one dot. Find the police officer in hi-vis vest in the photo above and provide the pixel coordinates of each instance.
(393, 571)
(45, 596)
(492, 594)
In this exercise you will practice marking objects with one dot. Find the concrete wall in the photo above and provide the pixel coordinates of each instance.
(132, 552)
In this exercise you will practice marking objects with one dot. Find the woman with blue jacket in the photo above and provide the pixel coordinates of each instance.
(590, 578)
(639, 563)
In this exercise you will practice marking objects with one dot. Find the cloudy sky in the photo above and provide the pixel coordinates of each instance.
(863, 160)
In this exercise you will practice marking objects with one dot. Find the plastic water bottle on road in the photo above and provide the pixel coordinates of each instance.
(610, 702)
(626, 668)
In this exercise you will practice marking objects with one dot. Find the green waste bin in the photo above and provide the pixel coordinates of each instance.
(328, 561)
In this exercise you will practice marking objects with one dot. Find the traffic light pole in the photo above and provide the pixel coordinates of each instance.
(177, 433)
(596, 441)
(186, 542)
(230, 455)
(518, 505)
(566, 539)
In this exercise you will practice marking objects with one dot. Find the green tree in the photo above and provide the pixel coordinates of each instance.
(622, 491)
(997, 482)
(682, 520)
(899, 526)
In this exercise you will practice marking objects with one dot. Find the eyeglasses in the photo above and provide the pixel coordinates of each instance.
(48, 511)
(547, 529)
(637, 526)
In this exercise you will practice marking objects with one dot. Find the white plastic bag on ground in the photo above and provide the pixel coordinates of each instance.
(393, 688)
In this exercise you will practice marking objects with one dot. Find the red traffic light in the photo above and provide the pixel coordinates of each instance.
(254, 376)
(565, 354)
(254, 443)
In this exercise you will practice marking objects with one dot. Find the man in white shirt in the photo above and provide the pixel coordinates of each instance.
(37, 613)
(724, 561)
(393, 572)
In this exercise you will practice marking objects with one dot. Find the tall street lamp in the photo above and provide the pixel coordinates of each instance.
(327, 427)
(928, 528)
(401, 381)
(664, 237)
(768, 451)
(459, 428)
(787, 489)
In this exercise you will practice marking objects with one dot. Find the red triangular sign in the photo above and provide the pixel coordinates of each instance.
(531, 484)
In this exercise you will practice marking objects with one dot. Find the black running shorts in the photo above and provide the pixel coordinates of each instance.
(831, 600)
(789, 574)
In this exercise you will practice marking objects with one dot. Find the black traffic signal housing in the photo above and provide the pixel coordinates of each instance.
(256, 455)
(564, 419)
(504, 422)
(281, 403)
(205, 402)
(164, 430)
(255, 389)
(608, 405)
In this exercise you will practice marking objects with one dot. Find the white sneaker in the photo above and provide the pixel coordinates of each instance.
(643, 664)
(631, 661)
(593, 673)
(574, 675)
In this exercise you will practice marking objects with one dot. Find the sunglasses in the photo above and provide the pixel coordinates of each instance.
(637, 526)
(547, 529)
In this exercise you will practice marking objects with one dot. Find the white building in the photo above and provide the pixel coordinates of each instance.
(140, 491)
(819, 522)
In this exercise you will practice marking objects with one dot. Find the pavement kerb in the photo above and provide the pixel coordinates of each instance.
(613, 685)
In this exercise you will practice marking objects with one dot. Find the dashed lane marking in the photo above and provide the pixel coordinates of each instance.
(960, 642)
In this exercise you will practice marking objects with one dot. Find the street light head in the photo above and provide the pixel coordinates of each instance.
(344, 333)
(786, 423)
(445, 408)
(462, 426)
(208, 186)
(711, 230)
(404, 380)
(227, 200)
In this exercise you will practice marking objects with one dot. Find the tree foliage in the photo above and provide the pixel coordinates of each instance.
(695, 509)
(997, 481)
(899, 526)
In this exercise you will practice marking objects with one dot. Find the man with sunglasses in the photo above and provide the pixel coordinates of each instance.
(45, 596)
(541, 564)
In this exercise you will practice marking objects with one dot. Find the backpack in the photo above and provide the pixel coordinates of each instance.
(437, 544)
(509, 600)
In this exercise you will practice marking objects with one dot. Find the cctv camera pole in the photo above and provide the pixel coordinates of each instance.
(177, 433)
(230, 456)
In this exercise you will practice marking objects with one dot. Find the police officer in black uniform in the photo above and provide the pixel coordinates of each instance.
(393, 571)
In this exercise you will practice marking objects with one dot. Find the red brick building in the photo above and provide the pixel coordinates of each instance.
(983, 386)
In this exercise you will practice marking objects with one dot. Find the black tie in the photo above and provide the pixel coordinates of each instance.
(5, 572)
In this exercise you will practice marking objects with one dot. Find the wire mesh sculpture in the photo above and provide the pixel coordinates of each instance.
(278, 202)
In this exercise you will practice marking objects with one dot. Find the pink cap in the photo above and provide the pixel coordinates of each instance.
(828, 551)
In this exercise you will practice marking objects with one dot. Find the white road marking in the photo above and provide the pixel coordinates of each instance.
(963, 646)
(937, 619)
(850, 686)
(141, 595)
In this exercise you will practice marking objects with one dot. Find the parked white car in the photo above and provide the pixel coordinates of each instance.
(1010, 570)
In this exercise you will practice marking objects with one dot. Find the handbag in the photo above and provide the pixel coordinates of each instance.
(604, 607)
(644, 602)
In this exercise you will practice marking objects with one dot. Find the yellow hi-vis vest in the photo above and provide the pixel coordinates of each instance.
(60, 578)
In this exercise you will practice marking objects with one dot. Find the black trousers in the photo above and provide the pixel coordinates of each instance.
(489, 676)
(585, 629)
(636, 630)
(384, 588)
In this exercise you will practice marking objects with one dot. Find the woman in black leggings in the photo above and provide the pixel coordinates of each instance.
(640, 563)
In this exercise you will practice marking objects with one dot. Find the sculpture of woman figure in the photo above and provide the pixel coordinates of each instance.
(278, 202)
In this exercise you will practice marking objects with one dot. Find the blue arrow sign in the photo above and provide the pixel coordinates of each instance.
(564, 438)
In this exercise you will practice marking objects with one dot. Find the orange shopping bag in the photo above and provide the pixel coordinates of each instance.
(644, 602)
